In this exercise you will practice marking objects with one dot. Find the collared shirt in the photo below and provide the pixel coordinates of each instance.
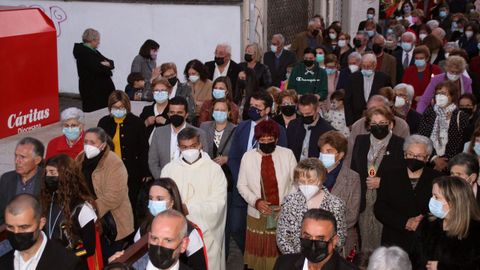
(367, 86)
(252, 143)
(410, 55)
(150, 266)
(174, 150)
(306, 142)
(31, 264)
(217, 72)
(174, 91)
(28, 186)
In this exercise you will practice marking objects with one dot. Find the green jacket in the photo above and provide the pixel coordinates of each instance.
(312, 81)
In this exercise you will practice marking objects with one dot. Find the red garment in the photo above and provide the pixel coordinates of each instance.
(95, 262)
(269, 179)
(410, 76)
(379, 62)
(59, 145)
(475, 65)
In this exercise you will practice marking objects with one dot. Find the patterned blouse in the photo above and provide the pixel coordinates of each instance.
(290, 220)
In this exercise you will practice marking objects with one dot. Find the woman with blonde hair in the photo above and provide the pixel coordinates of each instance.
(253, 56)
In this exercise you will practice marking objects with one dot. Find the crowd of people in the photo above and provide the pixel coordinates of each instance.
(331, 152)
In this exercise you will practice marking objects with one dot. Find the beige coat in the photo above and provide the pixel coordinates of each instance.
(201, 91)
(300, 43)
(389, 67)
(110, 186)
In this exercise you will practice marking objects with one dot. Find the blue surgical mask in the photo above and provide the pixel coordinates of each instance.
(219, 93)
(442, 14)
(370, 16)
(320, 58)
(406, 46)
(118, 113)
(156, 207)
(436, 208)
(254, 114)
(219, 116)
(328, 160)
(160, 96)
(420, 62)
(476, 148)
(389, 30)
(72, 133)
(367, 72)
(370, 33)
(330, 71)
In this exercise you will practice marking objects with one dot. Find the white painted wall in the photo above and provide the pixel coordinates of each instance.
(184, 32)
(355, 11)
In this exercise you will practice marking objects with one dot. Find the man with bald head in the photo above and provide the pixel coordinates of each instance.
(31, 247)
(167, 239)
(223, 65)
(385, 62)
(278, 59)
(361, 86)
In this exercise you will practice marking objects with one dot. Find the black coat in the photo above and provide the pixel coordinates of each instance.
(392, 159)
(278, 72)
(296, 133)
(147, 112)
(354, 101)
(399, 56)
(451, 253)
(232, 72)
(94, 83)
(397, 202)
(296, 261)
(413, 120)
(54, 256)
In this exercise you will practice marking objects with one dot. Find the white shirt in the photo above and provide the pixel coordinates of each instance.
(305, 264)
(174, 91)
(367, 86)
(217, 72)
(174, 151)
(20, 264)
(150, 266)
(156, 113)
(250, 136)
(410, 55)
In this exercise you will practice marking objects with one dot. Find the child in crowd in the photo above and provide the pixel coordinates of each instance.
(135, 86)
(336, 114)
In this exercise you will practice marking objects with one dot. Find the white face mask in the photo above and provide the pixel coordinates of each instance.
(332, 35)
(399, 102)
(469, 34)
(342, 43)
(422, 36)
(452, 77)
(91, 151)
(441, 100)
(309, 190)
(353, 68)
(191, 155)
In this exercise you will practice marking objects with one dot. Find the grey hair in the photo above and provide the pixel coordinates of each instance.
(355, 55)
(410, 34)
(369, 57)
(393, 35)
(72, 113)
(227, 47)
(280, 37)
(398, 29)
(312, 22)
(408, 87)
(433, 24)
(442, 32)
(171, 213)
(90, 35)
(101, 134)
(418, 139)
(451, 45)
(391, 258)
(456, 60)
(363, 33)
(22, 202)
(38, 147)
(379, 98)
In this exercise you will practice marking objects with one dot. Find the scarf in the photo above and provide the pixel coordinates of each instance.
(441, 122)
(377, 150)
(269, 180)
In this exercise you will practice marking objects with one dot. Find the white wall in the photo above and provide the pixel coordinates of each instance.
(184, 32)
(355, 11)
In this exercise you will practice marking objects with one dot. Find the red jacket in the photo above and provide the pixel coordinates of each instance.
(410, 76)
(58, 145)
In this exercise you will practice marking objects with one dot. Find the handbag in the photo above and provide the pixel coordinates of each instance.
(109, 227)
(273, 217)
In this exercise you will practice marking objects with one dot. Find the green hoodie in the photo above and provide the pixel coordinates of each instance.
(312, 81)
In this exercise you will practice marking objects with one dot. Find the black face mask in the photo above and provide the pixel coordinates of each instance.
(288, 110)
(314, 250)
(315, 32)
(172, 81)
(219, 61)
(379, 131)
(161, 257)
(308, 120)
(248, 57)
(267, 148)
(51, 183)
(177, 120)
(308, 63)
(254, 113)
(377, 49)
(21, 241)
(414, 164)
(468, 111)
(357, 43)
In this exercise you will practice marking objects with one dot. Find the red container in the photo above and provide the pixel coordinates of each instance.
(28, 70)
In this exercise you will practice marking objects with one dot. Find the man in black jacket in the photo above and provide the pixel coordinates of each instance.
(31, 247)
(318, 240)
(223, 65)
(278, 59)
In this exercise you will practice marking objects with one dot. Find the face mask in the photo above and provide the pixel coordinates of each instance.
(288, 110)
(407, 9)
(468, 34)
(91, 151)
(342, 43)
(254, 114)
(161, 257)
(414, 164)
(452, 77)
(176, 120)
(160, 96)
(442, 14)
(476, 148)
(353, 68)
(308, 63)
(267, 148)
(379, 131)
(191, 155)
(219, 116)
(370, 33)
(370, 16)
(420, 62)
(308, 120)
(248, 57)
(330, 71)
(332, 35)
(308, 190)
(389, 30)
(173, 81)
(72, 133)
(315, 32)
(156, 207)
(357, 43)
(447, 54)
(193, 78)
(219, 61)
(468, 111)
(51, 183)
(406, 46)
(441, 100)
(314, 250)
(377, 49)
(21, 241)
(320, 58)
(422, 36)
(454, 25)
(367, 72)
(390, 45)
(118, 113)
(218, 93)
(399, 102)
(273, 48)
(436, 208)
(328, 160)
